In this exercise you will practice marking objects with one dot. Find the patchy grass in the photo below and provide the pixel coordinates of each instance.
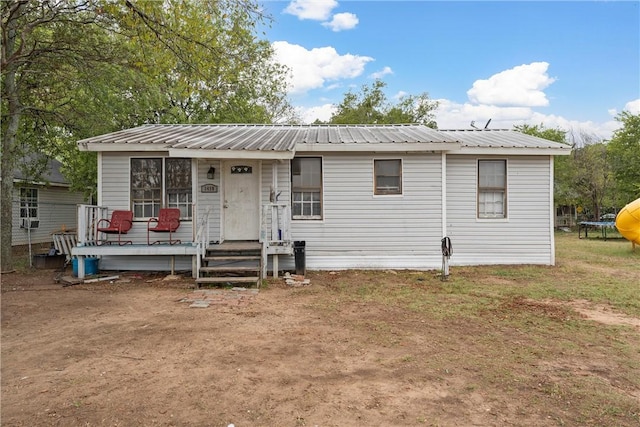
(512, 329)
(493, 345)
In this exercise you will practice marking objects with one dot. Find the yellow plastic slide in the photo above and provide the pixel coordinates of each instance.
(628, 222)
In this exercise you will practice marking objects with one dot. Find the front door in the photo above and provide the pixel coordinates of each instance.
(241, 200)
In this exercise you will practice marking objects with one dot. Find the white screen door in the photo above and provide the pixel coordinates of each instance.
(241, 200)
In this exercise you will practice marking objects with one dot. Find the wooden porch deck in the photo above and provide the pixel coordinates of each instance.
(179, 249)
(135, 249)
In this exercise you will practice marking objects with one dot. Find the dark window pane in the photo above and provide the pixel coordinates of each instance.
(388, 176)
(306, 187)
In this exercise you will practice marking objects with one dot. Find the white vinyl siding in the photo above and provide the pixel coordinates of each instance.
(57, 209)
(361, 230)
(208, 201)
(524, 238)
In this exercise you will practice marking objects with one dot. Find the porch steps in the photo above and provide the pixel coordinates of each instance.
(219, 280)
(230, 263)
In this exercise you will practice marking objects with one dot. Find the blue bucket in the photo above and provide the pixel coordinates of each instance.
(90, 266)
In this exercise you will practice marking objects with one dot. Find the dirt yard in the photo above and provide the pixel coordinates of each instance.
(133, 352)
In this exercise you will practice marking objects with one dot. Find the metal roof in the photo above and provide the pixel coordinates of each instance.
(372, 134)
(210, 137)
(282, 141)
(264, 137)
(502, 138)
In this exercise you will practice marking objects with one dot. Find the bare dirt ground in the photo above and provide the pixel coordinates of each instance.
(133, 352)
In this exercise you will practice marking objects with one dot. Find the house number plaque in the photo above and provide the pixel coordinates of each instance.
(241, 169)
(209, 188)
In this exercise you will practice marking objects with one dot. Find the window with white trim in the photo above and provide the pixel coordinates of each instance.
(306, 188)
(492, 188)
(387, 177)
(158, 182)
(28, 203)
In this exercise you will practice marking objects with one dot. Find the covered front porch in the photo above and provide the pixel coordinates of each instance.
(131, 251)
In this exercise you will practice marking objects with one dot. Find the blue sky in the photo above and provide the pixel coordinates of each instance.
(572, 65)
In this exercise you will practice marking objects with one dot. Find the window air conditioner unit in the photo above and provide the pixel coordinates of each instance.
(29, 223)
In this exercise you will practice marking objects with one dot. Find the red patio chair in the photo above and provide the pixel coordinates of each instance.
(120, 223)
(168, 221)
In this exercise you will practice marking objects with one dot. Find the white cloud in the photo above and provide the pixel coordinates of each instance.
(452, 115)
(342, 21)
(317, 10)
(576, 130)
(310, 69)
(401, 94)
(379, 74)
(507, 99)
(633, 106)
(518, 86)
(321, 112)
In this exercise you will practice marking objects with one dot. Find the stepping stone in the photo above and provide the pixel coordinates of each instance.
(199, 304)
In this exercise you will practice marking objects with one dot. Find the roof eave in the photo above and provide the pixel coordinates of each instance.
(516, 151)
(393, 147)
(41, 183)
(231, 154)
(99, 146)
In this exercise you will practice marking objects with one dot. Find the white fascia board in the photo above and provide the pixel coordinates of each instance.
(231, 154)
(502, 151)
(396, 147)
(40, 183)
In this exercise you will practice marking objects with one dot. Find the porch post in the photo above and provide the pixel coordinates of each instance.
(274, 184)
(274, 262)
(274, 180)
(81, 266)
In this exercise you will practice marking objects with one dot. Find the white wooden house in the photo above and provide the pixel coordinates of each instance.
(359, 196)
(42, 206)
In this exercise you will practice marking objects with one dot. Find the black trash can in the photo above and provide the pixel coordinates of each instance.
(300, 256)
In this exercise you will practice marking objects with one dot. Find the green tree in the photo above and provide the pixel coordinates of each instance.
(371, 106)
(583, 178)
(624, 154)
(591, 177)
(72, 69)
(564, 191)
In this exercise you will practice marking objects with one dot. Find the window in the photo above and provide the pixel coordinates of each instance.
(28, 203)
(306, 188)
(160, 182)
(178, 184)
(388, 176)
(492, 188)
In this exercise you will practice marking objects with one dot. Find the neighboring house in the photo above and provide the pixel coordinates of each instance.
(359, 196)
(43, 206)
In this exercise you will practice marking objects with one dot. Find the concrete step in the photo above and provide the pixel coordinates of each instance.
(228, 269)
(232, 258)
(247, 279)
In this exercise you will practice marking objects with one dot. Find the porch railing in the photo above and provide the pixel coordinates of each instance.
(201, 238)
(88, 217)
(276, 224)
